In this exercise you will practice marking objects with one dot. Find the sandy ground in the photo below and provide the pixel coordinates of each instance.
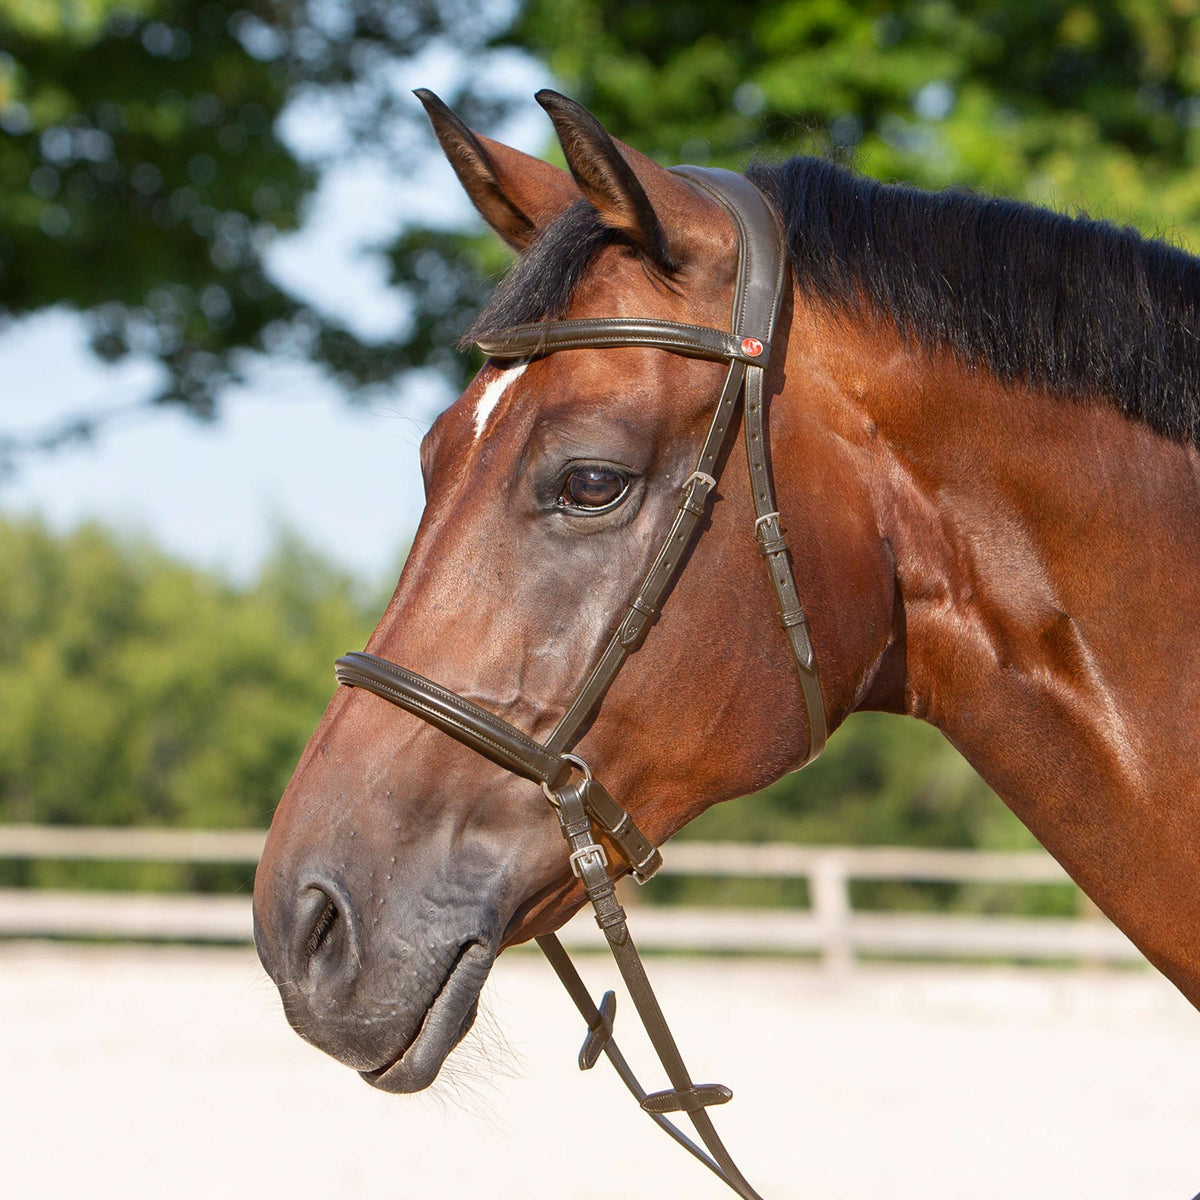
(168, 1073)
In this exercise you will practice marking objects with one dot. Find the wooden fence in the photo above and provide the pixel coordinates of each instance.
(831, 927)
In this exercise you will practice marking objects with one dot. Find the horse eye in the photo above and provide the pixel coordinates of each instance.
(592, 487)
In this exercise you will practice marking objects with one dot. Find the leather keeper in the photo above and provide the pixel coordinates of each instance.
(789, 620)
(636, 849)
(571, 813)
(698, 1096)
(599, 1035)
(643, 606)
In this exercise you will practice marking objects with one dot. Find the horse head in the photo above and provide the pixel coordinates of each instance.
(399, 862)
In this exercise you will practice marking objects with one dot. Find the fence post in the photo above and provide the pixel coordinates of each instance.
(831, 906)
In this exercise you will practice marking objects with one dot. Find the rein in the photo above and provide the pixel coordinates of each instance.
(585, 803)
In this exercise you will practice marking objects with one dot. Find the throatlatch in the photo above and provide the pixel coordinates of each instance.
(582, 803)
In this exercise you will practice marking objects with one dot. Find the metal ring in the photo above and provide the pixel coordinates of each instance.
(575, 761)
(771, 516)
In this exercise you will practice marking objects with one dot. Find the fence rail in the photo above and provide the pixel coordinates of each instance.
(830, 927)
(98, 844)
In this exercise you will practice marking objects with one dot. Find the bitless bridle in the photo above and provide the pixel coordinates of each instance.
(577, 798)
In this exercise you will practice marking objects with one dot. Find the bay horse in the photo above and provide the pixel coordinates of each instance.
(982, 421)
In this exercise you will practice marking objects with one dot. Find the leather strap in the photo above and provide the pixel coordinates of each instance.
(758, 292)
(645, 605)
(587, 860)
(695, 341)
(771, 542)
(483, 731)
(600, 1040)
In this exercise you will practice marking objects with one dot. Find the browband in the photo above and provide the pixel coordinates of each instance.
(695, 341)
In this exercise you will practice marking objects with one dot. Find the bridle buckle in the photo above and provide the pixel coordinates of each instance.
(592, 849)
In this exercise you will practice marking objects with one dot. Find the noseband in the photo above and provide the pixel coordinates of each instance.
(761, 276)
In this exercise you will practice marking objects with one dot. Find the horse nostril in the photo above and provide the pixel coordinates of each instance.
(325, 928)
(322, 927)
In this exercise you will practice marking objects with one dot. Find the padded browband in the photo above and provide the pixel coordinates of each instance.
(694, 341)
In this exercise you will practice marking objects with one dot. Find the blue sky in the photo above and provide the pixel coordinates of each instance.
(288, 450)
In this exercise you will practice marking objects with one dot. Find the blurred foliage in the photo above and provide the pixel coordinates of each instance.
(136, 690)
(143, 175)
(884, 780)
(1068, 103)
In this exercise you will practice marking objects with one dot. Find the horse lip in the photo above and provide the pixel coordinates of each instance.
(446, 1021)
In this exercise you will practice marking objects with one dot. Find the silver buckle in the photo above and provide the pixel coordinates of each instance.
(588, 851)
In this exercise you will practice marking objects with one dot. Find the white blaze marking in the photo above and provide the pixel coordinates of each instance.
(492, 394)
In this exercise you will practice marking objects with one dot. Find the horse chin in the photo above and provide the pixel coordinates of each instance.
(446, 1022)
(544, 912)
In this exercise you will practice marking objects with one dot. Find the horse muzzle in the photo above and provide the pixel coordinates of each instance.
(386, 979)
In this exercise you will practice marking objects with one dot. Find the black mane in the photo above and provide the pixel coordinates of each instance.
(1080, 307)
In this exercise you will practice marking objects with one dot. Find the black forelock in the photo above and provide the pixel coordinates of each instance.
(542, 281)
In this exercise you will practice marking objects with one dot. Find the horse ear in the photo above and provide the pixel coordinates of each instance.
(632, 192)
(515, 193)
(605, 177)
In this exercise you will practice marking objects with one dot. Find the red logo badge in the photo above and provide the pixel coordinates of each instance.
(752, 346)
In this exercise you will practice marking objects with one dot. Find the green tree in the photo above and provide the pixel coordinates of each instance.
(1068, 103)
(136, 690)
(883, 780)
(143, 176)
(142, 172)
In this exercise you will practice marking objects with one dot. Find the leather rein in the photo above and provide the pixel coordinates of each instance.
(581, 802)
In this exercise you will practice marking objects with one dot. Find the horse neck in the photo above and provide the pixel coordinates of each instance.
(1047, 570)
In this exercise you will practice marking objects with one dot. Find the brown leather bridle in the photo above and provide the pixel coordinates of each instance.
(761, 277)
